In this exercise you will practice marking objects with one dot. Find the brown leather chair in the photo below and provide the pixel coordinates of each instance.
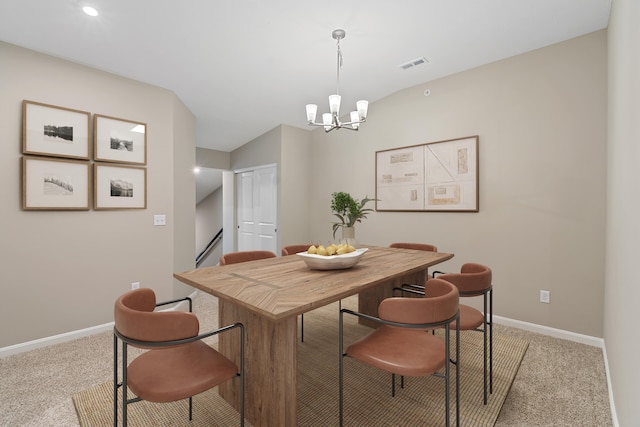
(294, 249)
(401, 344)
(177, 364)
(472, 281)
(243, 256)
(415, 246)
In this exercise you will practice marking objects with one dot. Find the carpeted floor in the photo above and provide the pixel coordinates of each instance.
(368, 400)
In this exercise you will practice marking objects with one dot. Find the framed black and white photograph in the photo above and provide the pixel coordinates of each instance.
(55, 184)
(119, 187)
(436, 176)
(119, 140)
(49, 130)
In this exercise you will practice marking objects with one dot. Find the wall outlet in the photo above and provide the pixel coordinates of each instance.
(135, 285)
(545, 296)
(159, 220)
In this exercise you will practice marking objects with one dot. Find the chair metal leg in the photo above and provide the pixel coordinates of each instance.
(341, 373)
(115, 380)
(484, 336)
(190, 408)
(491, 340)
(302, 327)
(457, 376)
(124, 384)
(447, 375)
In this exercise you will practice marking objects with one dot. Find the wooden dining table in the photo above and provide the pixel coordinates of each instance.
(268, 295)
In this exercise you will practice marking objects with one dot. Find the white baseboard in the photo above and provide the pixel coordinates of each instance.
(552, 332)
(614, 415)
(55, 339)
(73, 335)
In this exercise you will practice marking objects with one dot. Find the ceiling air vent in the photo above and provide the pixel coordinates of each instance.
(414, 63)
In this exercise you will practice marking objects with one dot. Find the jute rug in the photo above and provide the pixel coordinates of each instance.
(368, 400)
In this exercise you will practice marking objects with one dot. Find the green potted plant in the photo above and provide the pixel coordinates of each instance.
(349, 211)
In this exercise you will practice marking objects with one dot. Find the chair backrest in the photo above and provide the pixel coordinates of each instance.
(294, 249)
(134, 318)
(244, 256)
(473, 279)
(416, 246)
(439, 304)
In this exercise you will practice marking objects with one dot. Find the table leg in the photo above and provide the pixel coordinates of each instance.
(270, 366)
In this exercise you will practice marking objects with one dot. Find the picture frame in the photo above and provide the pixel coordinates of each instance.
(119, 187)
(441, 176)
(119, 140)
(55, 184)
(49, 130)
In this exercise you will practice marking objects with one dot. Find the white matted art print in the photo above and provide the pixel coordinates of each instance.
(119, 187)
(55, 131)
(119, 140)
(437, 176)
(55, 184)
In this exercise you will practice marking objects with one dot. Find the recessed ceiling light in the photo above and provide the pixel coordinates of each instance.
(90, 11)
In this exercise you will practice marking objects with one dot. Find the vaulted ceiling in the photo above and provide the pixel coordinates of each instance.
(245, 66)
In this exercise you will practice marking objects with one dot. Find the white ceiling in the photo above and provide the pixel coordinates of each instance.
(245, 66)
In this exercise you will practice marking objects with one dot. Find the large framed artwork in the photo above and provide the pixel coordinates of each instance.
(437, 176)
(54, 131)
(119, 140)
(55, 184)
(119, 187)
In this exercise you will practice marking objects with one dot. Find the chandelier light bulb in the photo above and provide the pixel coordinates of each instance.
(312, 110)
(326, 119)
(355, 118)
(362, 107)
(334, 104)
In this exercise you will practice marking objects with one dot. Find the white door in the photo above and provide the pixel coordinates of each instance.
(257, 209)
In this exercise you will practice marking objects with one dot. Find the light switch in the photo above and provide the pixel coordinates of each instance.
(159, 220)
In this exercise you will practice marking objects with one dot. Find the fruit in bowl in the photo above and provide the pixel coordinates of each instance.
(332, 249)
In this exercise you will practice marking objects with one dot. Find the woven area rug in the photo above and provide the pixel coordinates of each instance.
(368, 400)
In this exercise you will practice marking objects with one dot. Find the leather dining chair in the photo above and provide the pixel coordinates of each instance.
(401, 344)
(292, 250)
(177, 364)
(244, 256)
(415, 246)
(475, 280)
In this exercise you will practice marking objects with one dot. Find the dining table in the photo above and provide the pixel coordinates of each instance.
(268, 295)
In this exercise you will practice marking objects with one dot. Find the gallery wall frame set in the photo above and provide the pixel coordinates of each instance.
(56, 166)
(439, 176)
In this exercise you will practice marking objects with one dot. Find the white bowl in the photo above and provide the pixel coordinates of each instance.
(333, 262)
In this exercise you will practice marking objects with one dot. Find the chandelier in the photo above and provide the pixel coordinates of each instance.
(331, 120)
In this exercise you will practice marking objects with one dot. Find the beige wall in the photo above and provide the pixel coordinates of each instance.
(623, 229)
(541, 118)
(295, 176)
(61, 271)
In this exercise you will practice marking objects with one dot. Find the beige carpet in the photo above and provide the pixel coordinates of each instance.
(368, 400)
